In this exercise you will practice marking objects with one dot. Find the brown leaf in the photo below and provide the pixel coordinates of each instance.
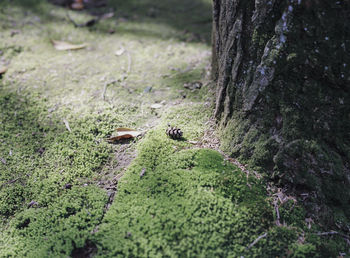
(78, 5)
(3, 69)
(124, 133)
(61, 45)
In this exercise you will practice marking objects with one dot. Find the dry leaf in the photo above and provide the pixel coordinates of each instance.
(61, 45)
(156, 106)
(124, 133)
(3, 69)
(120, 52)
(77, 5)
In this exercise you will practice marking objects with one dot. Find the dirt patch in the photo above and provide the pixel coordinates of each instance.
(114, 170)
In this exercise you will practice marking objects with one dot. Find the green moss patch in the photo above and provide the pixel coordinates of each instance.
(188, 203)
(175, 200)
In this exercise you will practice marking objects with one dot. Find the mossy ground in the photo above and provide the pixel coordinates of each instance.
(54, 183)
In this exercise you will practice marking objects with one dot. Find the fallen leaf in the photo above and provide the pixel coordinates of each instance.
(156, 106)
(119, 52)
(78, 5)
(124, 133)
(3, 69)
(61, 45)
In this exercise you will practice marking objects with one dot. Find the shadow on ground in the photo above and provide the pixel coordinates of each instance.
(190, 19)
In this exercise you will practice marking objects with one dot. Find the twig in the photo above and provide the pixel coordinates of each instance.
(256, 240)
(333, 233)
(67, 125)
(129, 62)
(327, 233)
(345, 237)
(10, 182)
(278, 223)
(104, 91)
(103, 95)
(71, 20)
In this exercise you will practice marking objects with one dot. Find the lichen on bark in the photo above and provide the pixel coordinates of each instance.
(283, 99)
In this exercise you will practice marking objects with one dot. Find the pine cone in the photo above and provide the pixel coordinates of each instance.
(174, 132)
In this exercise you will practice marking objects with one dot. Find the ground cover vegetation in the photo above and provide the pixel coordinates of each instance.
(65, 191)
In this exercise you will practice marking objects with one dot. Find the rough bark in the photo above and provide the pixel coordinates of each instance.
(283, 91)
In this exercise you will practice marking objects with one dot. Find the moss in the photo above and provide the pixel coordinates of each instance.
(55, 229)
(293, 214)
(49, 202)
(190, 202)
(41, 158)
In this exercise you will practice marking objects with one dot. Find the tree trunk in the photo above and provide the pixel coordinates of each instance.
(283, 91)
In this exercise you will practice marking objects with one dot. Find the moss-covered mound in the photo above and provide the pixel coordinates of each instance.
(188, 203)
(179, 202)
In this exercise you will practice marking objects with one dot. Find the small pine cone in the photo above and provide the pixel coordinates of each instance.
(174, 132)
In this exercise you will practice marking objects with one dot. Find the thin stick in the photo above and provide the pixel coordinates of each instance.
(71, 20)
(327, 233)
(345, 237)
(278, 223)
(10, 182)
(104, 91)
(103, 95)
(256, 240)
(129, 62)
(67, 125)
(333, 233)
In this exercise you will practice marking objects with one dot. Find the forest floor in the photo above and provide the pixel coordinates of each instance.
(66, 191)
